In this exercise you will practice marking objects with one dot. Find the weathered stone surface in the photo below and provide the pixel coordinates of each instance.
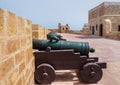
(104, 20)
(6, 66)
(11, 24)
(1, 22)
(28, 27)
(29, 40)
(39, 32)
(35, 35)
(23, 41)
(20, 26)
(13, 45)
(22, 67)
(13, 76)
(3, 48)
(19, 82)
(3, 82)
(30, 55)
(19, 58)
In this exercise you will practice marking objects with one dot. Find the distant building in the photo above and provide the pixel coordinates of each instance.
(104, 20)
(85, 29)
(63, 28)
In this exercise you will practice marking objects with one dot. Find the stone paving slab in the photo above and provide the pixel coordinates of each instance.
(107, 50)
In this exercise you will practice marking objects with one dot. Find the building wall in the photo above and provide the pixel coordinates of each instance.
(107, 16)
(63, 28)
(85, 30)
(16, 59)
(39, 32)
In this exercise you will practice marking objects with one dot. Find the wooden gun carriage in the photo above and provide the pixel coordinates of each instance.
(49, 60)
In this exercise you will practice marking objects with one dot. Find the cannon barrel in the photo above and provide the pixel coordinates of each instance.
(81, 47)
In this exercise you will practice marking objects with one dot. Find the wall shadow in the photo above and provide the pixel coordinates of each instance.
(64, 76)
(88, 37)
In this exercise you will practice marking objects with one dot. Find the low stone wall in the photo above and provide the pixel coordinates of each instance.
(113, 35)
(79, 32)
(39, 32)
(16, 58)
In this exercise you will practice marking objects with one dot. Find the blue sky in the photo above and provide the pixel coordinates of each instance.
(49, 13)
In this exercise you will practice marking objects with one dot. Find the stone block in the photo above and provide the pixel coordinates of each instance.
(35, 35)
(28, 27)
(35, 27)
(1, 23)
(3, 82)
(19, 57)
(13, 45)
(11, 23)
(30, 54)
(26, 57)
(30, 80)
(13, 77)
(3, 48)
(26, 75)
(21, 26)
(22, 67)
(23, 41)
(6, 67)
(29, 40)
(19, 82)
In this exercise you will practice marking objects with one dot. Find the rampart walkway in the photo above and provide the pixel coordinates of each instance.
(107, 50)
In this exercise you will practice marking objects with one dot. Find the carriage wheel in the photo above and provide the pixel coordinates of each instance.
(45, 73)
(91, 73)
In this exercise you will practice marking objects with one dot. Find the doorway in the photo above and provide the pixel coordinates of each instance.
(93, 30)
(101, 30)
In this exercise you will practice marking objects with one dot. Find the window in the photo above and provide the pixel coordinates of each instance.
(119, 28)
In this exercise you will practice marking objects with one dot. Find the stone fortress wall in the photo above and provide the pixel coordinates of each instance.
(104, 20)
(16, 53)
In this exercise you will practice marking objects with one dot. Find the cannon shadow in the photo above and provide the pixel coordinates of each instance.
(66, 77)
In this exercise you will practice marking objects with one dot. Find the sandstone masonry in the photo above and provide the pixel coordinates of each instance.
(104, 20)
(39, 32)
(63, 28)
(16, 59)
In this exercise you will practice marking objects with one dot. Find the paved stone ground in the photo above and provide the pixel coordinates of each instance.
(107, 50)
